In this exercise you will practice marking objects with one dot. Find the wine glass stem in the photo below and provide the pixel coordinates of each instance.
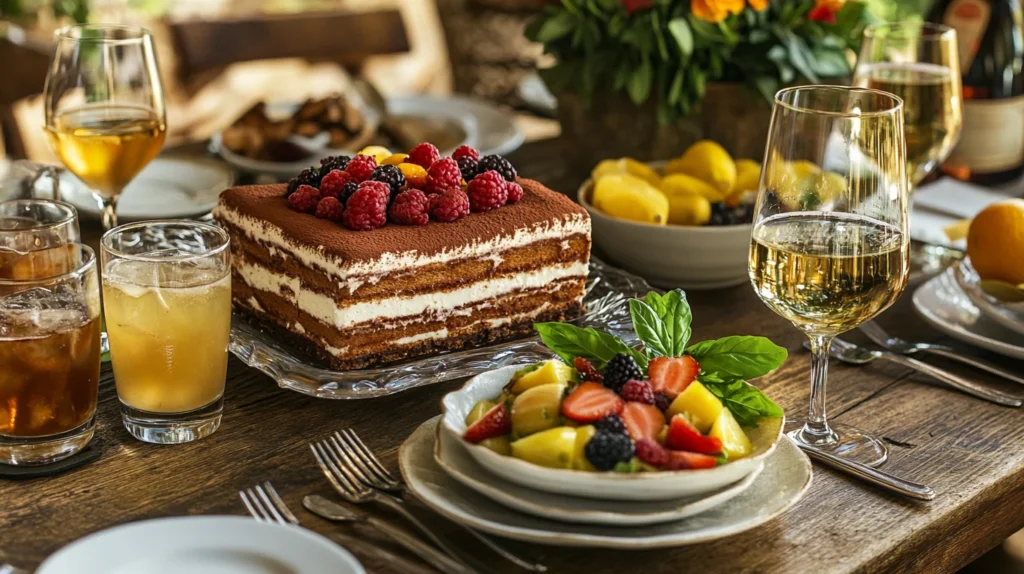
(109, 212)
(816, 429)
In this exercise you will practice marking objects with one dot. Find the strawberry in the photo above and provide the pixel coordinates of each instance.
(591, 402)
(682, 460)
(495, 422)
(684, 436)
(642, 420)
(652, 453)
(671, 375)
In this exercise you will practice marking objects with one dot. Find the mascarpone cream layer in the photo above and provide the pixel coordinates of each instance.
(442, 303)
(387, 263)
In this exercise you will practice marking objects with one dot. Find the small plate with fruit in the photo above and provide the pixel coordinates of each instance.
(683, 222)
(612, 422)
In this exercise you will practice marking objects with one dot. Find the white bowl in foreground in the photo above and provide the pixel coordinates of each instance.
(662, 485)
(691, 257)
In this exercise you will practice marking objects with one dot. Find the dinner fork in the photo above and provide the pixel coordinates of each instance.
(352, 490)
(903, 347)
(266, 505)
(369, 470)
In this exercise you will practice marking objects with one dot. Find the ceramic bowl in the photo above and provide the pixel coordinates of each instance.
(663, 485)
(691, 257)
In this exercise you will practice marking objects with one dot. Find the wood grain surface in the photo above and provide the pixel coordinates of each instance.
(968, 450)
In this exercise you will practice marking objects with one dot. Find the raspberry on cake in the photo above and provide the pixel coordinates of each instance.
(362, 298)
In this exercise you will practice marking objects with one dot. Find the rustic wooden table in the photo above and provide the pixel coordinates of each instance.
(968, 450)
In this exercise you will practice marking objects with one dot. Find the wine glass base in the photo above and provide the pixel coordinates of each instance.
(844, 441)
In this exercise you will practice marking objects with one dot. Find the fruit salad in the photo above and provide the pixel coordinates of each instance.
(604, 405)
(703, 186)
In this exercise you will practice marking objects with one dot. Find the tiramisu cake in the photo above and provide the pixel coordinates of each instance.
(372, 270)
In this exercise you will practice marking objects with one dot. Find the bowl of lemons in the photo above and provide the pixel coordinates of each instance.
(684, 222)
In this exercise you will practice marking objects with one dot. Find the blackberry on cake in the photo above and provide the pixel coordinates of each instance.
(390, 175)
(333, 162)
(444, 174)
(468, 167)
(347, 190)
(309, 176)
(498, 164)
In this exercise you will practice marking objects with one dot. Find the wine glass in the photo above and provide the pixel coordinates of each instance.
(919, 62)
(830, 243)
(104, 107)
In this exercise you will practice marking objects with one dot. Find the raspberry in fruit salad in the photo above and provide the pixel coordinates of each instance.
(304, 199)
(367, 208)
(637, 391)
(662, 401)
(449, 206)
(329, 208)
(486, 192)
(619, 370)
(410, 207)
(443, 175)
(606, 450)
(332, 183)
(652, 453)
(361, 167)
(423, 155)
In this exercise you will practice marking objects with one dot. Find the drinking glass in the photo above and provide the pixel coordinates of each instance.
(34, 234)
(830, 242)
(919, 62)
(104, 107)
(167, 305)
(49, 362)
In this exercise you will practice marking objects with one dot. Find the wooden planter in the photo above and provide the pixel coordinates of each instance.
(732, 114)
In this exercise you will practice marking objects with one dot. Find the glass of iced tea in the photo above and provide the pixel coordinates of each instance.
(34, 234)
(49, 362)
(167, 305)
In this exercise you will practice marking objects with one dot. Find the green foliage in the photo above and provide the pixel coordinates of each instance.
(665, 52)
(77, 10)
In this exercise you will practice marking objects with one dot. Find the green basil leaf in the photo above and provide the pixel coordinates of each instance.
(740, 357)
(680, 30)
(639, 86)
(555, 27)
(569, 341)
(651, 329)
(674, 311)
(745, 401)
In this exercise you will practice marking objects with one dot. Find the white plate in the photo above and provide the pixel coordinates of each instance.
(664, 485)
(488, 128)
(785, 479)
(450, 454)
(944, 305)
(167, 188)
(1009, 315)
(202, 545)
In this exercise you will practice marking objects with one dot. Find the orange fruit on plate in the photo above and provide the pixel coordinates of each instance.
(995, 242)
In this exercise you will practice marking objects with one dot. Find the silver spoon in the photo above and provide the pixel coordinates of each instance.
(903, 347)
(850, 353)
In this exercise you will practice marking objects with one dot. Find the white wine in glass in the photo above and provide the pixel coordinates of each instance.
(839, 256)
(104, 107)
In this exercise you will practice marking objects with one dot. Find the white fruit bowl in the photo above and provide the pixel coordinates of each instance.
(664, 485)
(691, 257)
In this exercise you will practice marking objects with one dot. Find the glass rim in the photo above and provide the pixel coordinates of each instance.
(109, 234)
(934, 32)
(896, 100)
(77, 272)
(70, 213)
(139, 33)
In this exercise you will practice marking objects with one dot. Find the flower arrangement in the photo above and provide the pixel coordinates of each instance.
(671, 49)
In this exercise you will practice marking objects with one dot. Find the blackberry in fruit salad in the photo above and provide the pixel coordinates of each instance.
(605, 406)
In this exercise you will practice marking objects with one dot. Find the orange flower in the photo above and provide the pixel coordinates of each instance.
(825, 11)
(715, 11)
(758, 5)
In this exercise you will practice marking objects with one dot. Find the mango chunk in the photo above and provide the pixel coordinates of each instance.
(479, 410)
(499, 444)
(550, 372)
(552, 448)
(698, 405)
(579, 458)
(734, 441)
(537, 409)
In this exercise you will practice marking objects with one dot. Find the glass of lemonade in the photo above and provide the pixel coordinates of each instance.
(34, 234)
(49, 361)
(167, 305)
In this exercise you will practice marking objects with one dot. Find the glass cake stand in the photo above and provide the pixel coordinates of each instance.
(608, 290)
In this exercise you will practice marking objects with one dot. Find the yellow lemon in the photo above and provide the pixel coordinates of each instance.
(682, 184)
(688, 209)
(710, 162)
(995, 241)
(379, 152)
(394, 159)
(628, 197)
(674, 166)
(629, 166)
(748, 178)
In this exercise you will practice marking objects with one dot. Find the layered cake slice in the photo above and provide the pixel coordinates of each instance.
(362, 298)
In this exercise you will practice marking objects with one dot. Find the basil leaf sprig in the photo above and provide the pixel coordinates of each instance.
(738, 357)
(662, 322)
(569, 341)
(745, 401)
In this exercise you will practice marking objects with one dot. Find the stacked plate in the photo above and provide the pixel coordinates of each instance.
(516, 499)
(955, 303)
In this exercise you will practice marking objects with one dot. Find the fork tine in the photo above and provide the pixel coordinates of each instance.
(253, 506)
(367, 455)
(269, 506)
(352, 462)
(278, 502)
(357, 486)
(340, 483)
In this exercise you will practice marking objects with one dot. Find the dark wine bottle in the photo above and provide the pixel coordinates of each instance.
(990, 34)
